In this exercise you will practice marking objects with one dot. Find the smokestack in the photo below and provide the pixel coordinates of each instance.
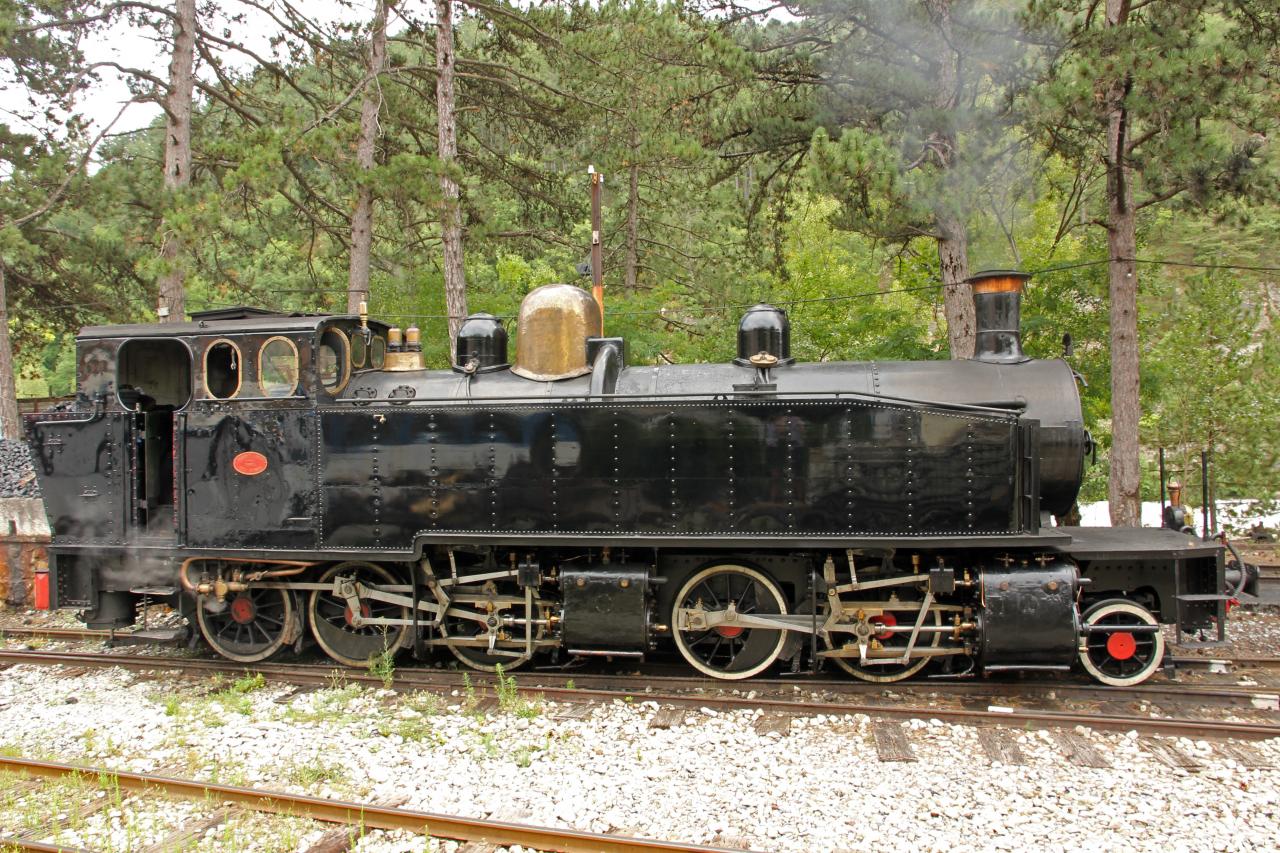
(997, 303)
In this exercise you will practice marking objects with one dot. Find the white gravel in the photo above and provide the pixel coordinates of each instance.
(711, 780)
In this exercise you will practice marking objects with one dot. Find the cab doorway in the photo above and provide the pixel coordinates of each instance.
(153, 383)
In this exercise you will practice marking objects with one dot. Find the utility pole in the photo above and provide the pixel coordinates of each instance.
(597, 254)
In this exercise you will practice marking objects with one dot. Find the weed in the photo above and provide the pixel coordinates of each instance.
(508, 692)
(110, 783)
(382, 666)
(37, 642)
(172, 705)
(314, 772)
(569, 685)
(427, 704)
(236, 702)
(328, 706)
(228, 773)
(89, 740)
(489, 744)
(248, 683)
(415, 729)
(510, 700)
(469, 702)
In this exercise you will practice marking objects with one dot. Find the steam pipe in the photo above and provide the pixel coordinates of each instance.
(221, 588)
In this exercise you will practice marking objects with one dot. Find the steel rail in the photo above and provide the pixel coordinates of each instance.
(313, 675)
(58, 633)
(501, 833)
(1244, 662)
(1257, 661)
(15, 843)
(623, 685)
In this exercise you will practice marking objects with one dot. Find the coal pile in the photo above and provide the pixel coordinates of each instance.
(17, 475)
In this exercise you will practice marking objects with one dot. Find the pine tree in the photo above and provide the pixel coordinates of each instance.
(1167, 105)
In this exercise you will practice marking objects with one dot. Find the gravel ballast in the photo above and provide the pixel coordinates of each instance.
(710, 778)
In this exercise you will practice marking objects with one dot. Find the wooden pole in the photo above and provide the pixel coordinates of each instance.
(597, 253)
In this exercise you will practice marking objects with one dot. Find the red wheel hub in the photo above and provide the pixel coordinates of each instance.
(242, 609)
(886, 619)
(1121, 645)
(365, 612)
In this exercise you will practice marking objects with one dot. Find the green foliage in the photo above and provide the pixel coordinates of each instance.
(804, 162)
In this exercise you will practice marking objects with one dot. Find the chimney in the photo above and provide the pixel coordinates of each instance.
(997, 303)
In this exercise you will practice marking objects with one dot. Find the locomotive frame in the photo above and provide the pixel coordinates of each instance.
(281, 479)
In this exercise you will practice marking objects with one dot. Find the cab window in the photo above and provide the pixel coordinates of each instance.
(359, 350)
(278, 368)
(333, 360)
(377, 352)
(153, 373)
(222, 366)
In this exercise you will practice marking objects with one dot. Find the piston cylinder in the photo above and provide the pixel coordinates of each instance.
(1029, 618)
(606, 607)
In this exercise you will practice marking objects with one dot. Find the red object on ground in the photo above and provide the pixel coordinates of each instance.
(1121, 645)
(41, 586)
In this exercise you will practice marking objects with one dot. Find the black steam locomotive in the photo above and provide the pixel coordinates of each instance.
(278, 477)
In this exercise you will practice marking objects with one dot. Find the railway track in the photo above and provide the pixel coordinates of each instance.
(124, 637)
(364, 816)
(900, 701)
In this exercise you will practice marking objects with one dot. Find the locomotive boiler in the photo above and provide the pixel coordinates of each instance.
(281, 479)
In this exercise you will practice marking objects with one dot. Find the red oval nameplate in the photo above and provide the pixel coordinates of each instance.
(251, 463)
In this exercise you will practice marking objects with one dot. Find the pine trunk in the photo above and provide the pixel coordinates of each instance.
(957, 293)
(953, 233)
(455, 284)
(1123, 490)
(171, 302)
(1124, 485)
(10, 423)
(366, 142)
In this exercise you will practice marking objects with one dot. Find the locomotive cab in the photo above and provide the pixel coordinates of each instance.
(138, 464)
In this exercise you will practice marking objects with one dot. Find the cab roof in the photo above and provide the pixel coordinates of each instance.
(222, 322)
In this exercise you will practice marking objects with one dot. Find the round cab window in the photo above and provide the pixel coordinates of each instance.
(278, 368)
(359, 351)
(377, 353)
(333, 361)
(222, 370)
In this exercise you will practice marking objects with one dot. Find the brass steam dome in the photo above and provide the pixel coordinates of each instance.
(551, 333)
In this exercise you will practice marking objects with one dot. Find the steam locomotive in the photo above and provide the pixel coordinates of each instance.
(286, 478)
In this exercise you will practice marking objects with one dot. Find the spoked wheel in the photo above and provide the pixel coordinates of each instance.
(1121, 649)
(729, 651)
(468, 639)
(331, 616)
(888, 641)
(254, 625)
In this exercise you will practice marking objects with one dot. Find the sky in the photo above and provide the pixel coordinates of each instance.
(140, 48)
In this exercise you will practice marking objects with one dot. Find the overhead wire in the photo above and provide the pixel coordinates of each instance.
(842, 297)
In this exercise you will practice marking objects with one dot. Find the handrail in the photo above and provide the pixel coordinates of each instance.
(1000, 407)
